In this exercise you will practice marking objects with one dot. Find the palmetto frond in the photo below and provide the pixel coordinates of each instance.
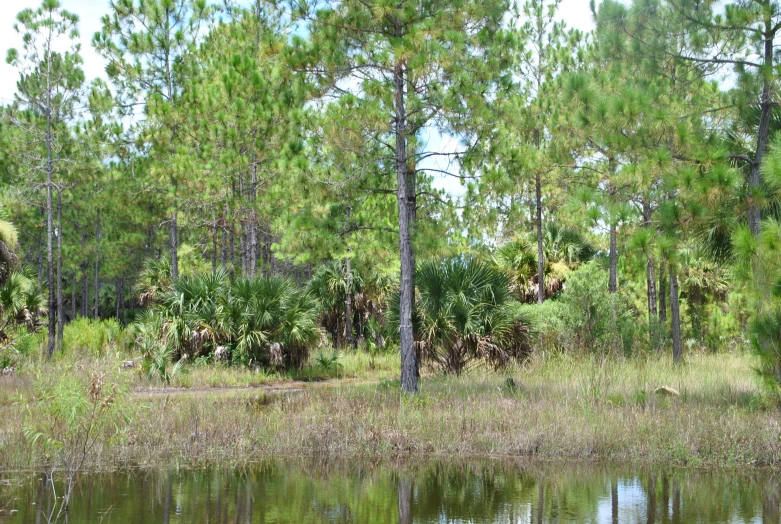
(465, 314)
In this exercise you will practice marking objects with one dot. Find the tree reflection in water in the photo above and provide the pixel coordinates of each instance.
(425, 492)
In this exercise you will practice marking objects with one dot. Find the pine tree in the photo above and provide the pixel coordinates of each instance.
(145, 44)
(416, 64)
(46, 100)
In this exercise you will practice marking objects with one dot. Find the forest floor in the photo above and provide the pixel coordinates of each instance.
(560, 407)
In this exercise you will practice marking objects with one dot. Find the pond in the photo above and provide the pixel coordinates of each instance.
(480, 491)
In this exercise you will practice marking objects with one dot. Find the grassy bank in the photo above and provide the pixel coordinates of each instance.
(562, 407)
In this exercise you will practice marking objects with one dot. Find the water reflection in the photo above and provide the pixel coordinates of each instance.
(479, 492)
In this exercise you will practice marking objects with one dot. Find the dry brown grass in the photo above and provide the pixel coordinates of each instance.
(564, 407)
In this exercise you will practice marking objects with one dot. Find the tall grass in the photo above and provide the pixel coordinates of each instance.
(561, 407)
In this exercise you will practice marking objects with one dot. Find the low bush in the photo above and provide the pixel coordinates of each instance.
(595, 319)
(464, 314)
(265, 320)
(86, 336)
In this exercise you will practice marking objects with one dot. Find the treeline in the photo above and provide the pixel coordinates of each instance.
(258, 140)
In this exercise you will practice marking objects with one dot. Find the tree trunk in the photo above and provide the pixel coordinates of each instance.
(174, 246)
(96, 311)
(613, 288)
(224, 252)
(662, 294)
(409, 366)
(650, 269)
(763, 133)
(214, 245)
(41, 249)
(84, 289)
(51, 303)
(613, 284)
(348, 301)
(412, 203)
(73, 298)
(540, 251)
(675, 317)
(60, 308)
(231, 248)
(253, 239)
(120, 297)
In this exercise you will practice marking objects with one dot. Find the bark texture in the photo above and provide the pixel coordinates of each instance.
(409, 366)
(675, 318)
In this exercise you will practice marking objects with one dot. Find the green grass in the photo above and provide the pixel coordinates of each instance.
(563, 407)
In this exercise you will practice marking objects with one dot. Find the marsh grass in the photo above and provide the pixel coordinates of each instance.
(560, 407)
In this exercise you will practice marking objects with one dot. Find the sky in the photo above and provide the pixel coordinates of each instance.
(576, 13)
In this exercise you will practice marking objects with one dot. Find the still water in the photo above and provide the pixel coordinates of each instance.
(426, 492)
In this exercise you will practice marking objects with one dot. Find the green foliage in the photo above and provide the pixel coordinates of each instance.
(70, 419)
(464, 314)
(328, 363)
(369, 289)
(564, 248)
(595, 319)
(266, 320)
(21, 311)
(759, 269)
(95, 338)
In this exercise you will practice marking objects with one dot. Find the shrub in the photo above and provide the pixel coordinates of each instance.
(595, 319)
(69, 419)
(549, 325)
(91, 337)
(464, 314)
(267, 320)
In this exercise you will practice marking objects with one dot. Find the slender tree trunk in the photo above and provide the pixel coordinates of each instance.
(540, 251)
(96, 312)
(73, 298)
(675, 317)
(214, 245)
(60, 308)
(348, 301)
(52, 335)
(253, 240)
(224, 252)
(613, 284)
(253, 260)
(120, 297)
(84, 286)
(412, 203)
(409, 366)
(231, 247)
(243, 225)
(613, 251)
(763, 134)
(41, 249)
(662, 294)
(650, 269)
(174, 245)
